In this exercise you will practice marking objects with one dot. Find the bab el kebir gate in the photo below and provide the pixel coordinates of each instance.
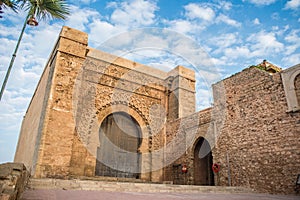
(95, 114)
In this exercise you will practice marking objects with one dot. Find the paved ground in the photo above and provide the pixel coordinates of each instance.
(93, 195)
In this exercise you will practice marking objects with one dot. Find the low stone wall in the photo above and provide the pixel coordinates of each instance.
(13, 179)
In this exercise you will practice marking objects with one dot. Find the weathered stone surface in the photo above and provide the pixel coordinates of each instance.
(260, 139)
(13, 180)
(250, 131)
(80, 87)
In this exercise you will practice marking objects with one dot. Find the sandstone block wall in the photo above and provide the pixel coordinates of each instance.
(13, 180)
(260, 139)
(45, 142)
(252, 136)
(109, 84)
(181, 137)
(182, 100)
(32, 123)
(57, 135)
(252, 132)
(79, 88)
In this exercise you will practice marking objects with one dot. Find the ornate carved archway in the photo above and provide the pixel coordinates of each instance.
(145, 137)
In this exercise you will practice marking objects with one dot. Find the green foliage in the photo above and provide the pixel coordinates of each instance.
(260, 67)
(45, 9)
(41, 9)
(7, 4)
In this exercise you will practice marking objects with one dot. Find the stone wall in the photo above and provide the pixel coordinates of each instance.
(182, 100)
(45, 142)
(57, 135)
(249, 128)
(181, 137)
(254, 123)
(79, 88)
(13, 180)
(259, 138)
(28, 143)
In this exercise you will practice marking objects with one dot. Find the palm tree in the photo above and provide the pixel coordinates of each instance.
(7, 4)
(41, 10)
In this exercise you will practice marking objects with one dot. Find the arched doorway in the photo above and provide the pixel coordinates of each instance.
(120, 139)
(203, 174)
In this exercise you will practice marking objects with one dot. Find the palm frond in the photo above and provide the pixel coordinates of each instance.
(46, 9)
(9, 4)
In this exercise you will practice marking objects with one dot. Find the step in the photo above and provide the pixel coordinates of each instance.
(100, 185)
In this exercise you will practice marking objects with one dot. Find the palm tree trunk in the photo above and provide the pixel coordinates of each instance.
(13, 59)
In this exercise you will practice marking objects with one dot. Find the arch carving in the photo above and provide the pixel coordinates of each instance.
(123, 106)
(146, 136)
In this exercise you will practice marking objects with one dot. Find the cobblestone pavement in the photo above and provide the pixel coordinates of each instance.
(93, 195)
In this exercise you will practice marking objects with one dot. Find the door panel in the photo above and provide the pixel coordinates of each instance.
(203, 174)
(119, 142)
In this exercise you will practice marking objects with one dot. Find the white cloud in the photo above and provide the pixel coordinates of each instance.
(191, 52)
(280, 31)
(261, 2)
(225, 19)
(275, 16)
(196, 11)
(291, 60)
(206, 98)
(209, 77)
(256, 21)
(100, 31)
(134, 13)
(32, 55)
(225, 5)
(292, 4)
(8, 31)
(80, 18)
(13, 17)
(237, 52)
(224, 40)
(152, 41)
(286, 27)
(264, 43)
(293, 40)
(86, 1)
(39, 46)
(293, 37)
(219, 61)
(182, 26)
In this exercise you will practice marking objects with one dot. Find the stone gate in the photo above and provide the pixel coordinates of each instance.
(95, 114)
(89, 102)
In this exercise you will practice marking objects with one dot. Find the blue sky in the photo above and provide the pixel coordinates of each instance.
(216, 38)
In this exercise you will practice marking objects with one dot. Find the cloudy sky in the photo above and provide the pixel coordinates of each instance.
(215, 38)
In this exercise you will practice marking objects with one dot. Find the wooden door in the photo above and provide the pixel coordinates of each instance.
(119, 142)
(203, 174)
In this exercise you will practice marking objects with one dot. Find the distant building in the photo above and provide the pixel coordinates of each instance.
(95, 114)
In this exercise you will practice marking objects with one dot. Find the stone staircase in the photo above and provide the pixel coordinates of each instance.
(129, 186)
